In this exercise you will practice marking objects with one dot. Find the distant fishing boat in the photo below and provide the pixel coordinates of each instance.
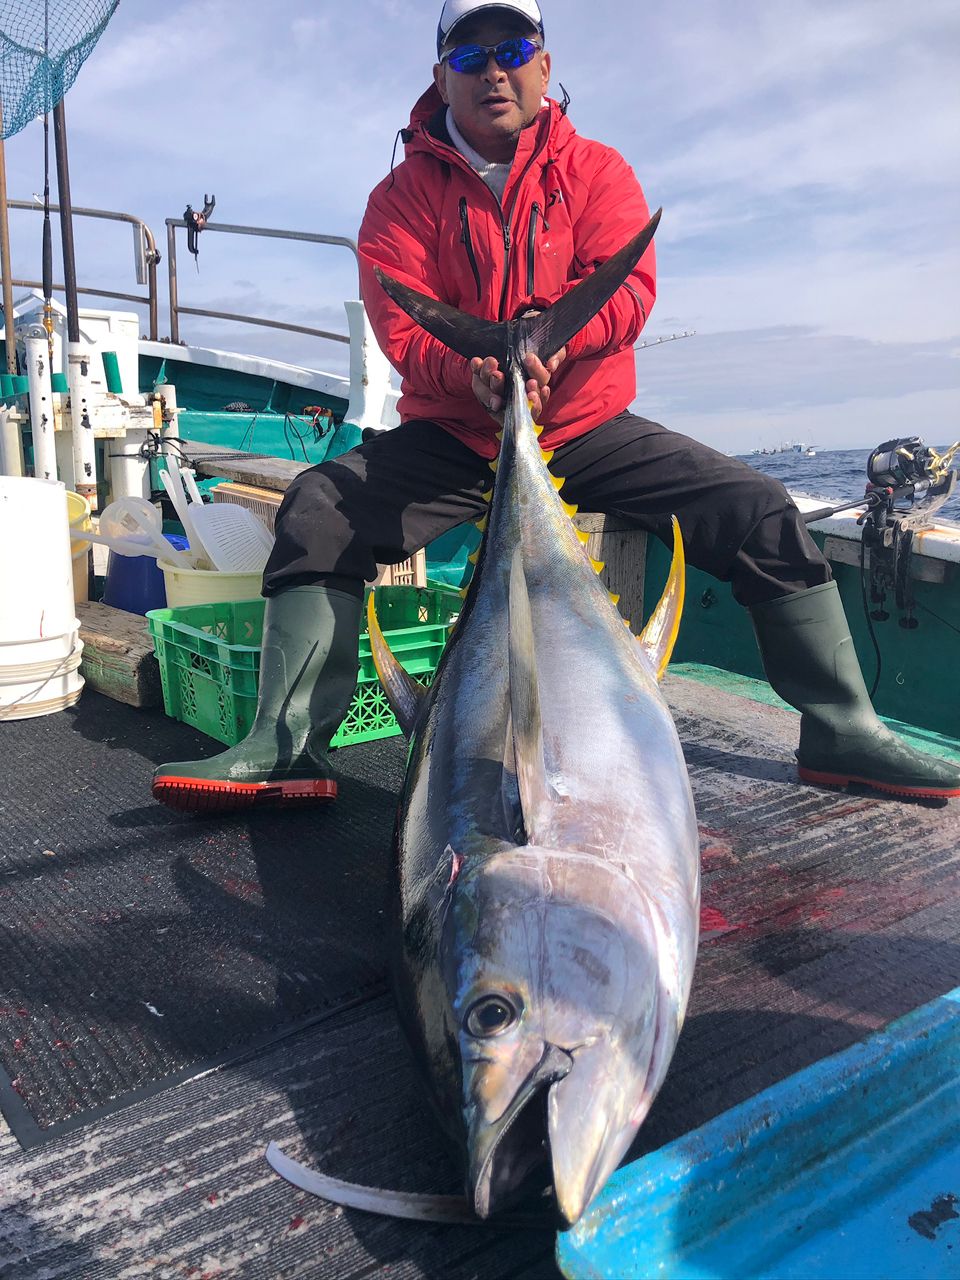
(792, 446)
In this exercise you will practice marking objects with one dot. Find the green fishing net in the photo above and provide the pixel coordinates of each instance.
(43, 45)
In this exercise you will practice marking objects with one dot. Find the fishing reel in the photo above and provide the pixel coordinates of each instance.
(907, 481)
(912, 471)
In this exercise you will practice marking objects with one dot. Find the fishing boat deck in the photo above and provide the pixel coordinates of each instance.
(825, 916)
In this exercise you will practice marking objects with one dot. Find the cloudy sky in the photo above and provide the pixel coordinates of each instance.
(806, 154)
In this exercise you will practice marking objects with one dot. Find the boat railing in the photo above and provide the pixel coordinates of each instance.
(146, 257)
(177, 309)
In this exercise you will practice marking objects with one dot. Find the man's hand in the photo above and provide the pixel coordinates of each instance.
(489, 382)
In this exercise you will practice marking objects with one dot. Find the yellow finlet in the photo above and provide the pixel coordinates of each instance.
(598, 565)
(626, 623)
(462, 592)
(474, 556)
(547, 454)
(614, 597)
(582, 536)
(660, 634)
(498, 435)
(570, 508)
(481, 524)
(493, 465)
(537, 429)
(487, 496)
(558, 482)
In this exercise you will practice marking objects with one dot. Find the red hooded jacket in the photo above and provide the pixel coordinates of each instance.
(434, 224)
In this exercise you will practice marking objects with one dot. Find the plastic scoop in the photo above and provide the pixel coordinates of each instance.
(172, 482)
(135, 545)
(136, 522)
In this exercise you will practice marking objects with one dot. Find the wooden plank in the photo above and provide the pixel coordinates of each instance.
(622, 549)
(265, 473)
(922, 568)
(118, 658)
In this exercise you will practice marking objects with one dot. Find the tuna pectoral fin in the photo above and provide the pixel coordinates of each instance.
(536, 794)
(543, 334)
(404, 694)
(660, 634)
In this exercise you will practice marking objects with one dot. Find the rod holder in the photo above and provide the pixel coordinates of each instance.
(41, 408)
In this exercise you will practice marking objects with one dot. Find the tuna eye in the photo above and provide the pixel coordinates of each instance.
(490, 1016)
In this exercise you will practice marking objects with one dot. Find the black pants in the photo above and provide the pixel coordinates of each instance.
(392, 495)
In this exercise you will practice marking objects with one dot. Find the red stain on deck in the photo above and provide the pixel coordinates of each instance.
(713, 920)
(296, 1223)
(716, 851)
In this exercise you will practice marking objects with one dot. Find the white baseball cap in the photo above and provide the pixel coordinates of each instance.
(454, 12)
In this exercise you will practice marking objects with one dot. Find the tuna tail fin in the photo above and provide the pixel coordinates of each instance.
(552, 329)
(660, 634)
(404, 694)
(543, 334)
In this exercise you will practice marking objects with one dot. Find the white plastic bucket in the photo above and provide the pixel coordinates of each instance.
(40, 647)
(207, 586)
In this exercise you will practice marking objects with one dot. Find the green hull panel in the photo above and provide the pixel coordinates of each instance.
(918, 682)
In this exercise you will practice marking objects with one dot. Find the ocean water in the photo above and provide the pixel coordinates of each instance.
(836, 475)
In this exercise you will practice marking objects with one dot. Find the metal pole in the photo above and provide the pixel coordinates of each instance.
(66, 224)
(172, 282)
(5, 259)
(152, 291)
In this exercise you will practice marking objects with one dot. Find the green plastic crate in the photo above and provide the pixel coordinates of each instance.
(209, 656)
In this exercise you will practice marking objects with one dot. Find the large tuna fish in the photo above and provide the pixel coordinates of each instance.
(546, 840)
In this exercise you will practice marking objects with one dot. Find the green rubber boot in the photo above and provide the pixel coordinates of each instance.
(308, 672)
(811, 663)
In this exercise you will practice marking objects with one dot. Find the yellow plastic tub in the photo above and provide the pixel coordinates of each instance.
(78, 514)
(207, 586)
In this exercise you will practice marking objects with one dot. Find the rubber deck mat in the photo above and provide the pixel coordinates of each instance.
(825, 915)
(137, 943)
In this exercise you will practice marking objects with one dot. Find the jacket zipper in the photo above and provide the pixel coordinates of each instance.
(504, 223)
(506, 265)
(467, 242)
(535, 213)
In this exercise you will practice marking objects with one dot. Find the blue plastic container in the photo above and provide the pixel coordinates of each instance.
(135, 583)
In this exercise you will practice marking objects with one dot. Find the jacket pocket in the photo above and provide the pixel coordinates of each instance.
(536, 215)
(467, 243)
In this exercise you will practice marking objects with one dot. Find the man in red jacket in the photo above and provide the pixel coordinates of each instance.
(498, 208)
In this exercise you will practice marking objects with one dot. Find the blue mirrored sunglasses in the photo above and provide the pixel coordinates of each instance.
(471, 59)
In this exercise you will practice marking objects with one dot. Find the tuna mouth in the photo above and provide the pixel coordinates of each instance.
(510, 1159)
